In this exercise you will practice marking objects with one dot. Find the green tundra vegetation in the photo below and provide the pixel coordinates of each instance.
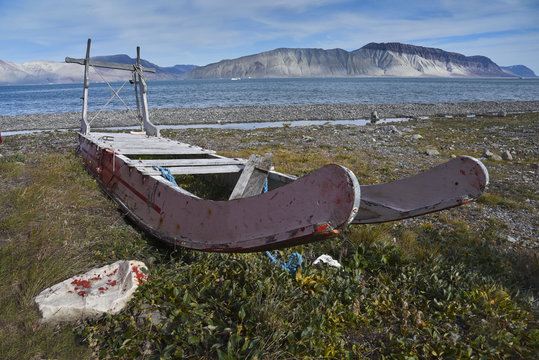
(442, 286)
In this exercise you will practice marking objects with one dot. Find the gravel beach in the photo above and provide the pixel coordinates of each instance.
(183, 116)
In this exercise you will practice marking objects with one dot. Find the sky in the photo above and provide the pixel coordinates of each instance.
(200, 32)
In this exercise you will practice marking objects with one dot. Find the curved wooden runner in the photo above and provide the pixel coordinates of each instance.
(450, 184)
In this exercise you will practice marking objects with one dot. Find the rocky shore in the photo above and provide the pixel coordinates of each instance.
(182, 116)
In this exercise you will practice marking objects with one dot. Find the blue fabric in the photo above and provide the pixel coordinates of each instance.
(165, 172)
(291, 265)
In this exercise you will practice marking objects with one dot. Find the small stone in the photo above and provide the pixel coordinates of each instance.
(506, 155)
(511, 239)
(432, 152)
(307, 138)
(390, 129)
(502, 113)
(534, 166)
(417, 137)
(496, 157)
(487, 154)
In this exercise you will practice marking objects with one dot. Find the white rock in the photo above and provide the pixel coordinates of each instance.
(103, 290)
(432, 152)
(326, 259)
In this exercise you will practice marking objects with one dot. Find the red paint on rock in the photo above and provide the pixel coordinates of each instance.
(139, 274)
(112, 273)
(83, 283)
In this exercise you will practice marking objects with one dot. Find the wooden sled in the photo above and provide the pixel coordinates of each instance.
(265, 209)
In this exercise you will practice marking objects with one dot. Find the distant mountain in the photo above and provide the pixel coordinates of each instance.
(162, 72)
(385, 59)
(50, 72)
(374, 59)
(519, 70)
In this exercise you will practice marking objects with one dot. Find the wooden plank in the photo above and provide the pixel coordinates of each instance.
(188, 162)
(177, 151)
(195, 170)
(253, 177)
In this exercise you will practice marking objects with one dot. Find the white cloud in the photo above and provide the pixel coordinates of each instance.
(208, 30)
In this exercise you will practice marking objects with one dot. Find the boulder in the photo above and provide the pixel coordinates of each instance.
(432, 152)
(490, 155)
(374, 117)
(506, 155)
(102, 290)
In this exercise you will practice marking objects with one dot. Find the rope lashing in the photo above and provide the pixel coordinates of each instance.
(166, 173)
(291, 265)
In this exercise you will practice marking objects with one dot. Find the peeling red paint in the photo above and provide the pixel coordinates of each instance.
(82, 293)
(321, 228)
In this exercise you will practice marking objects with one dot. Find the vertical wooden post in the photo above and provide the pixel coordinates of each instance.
(149, 128)
(85, 126)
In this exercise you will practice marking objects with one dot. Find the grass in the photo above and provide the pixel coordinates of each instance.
(437, 288)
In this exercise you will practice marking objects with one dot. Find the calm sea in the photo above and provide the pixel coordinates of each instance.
(59, 98)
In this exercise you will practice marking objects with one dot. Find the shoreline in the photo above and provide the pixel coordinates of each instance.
(267, 113)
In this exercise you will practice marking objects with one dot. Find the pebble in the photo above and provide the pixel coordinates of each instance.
(432, 152)
(260, 113)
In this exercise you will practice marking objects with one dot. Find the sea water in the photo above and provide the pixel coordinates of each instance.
(62, 98)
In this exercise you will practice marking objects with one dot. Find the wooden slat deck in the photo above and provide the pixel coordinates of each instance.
(140, 144)
(202, 161)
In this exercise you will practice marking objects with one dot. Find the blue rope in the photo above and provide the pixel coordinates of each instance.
(165, 172)
(266, 186)
(291, 265)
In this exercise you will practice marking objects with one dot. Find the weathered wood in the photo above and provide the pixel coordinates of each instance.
(252, 178)
(447, 185)
(174, 151)
(194, 170)
(106, 64)
(85, 126)
(188, 162)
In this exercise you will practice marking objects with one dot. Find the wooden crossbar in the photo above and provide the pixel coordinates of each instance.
(108, 65)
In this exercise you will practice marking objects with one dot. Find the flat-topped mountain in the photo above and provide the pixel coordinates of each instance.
(374, 59)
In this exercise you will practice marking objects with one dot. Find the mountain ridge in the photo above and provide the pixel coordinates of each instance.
(373, 59)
